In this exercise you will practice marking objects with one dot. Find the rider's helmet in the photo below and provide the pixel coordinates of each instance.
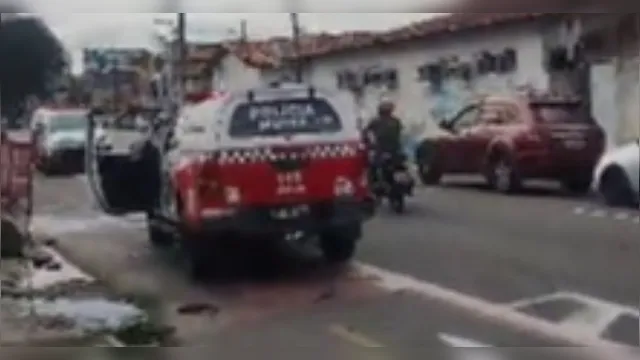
(386, 108)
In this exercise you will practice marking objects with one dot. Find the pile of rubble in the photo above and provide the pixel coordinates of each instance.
(46, 301)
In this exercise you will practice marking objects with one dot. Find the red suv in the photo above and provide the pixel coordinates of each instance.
(512, 139)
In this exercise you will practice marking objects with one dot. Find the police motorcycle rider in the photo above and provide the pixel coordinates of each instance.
(383, 136)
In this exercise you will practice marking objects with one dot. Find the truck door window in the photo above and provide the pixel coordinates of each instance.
(284, 117)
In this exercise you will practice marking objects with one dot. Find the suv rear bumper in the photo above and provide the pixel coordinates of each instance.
(295, 217)
(546, 166)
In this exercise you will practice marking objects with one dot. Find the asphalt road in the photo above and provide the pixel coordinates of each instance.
(568, 261)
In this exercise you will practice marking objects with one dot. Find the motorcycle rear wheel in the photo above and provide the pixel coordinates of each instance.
(397, 204)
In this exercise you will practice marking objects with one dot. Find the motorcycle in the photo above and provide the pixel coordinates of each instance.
(389, 176)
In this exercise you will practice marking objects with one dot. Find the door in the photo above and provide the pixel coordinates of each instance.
(121, 182)
(478, 137)
(497, 118)
(461, 142)
(603, 100)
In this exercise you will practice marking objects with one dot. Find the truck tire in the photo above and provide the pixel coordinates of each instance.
(339, 244)
(207, 257)
(158, 237)
(198, 259)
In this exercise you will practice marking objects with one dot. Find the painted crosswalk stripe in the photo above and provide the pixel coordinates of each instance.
(464, 348)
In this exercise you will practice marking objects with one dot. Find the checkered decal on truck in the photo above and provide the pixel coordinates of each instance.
(249, 156)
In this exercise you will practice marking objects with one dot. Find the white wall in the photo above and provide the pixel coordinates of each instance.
(417, 105)
(232, 74)
(628, 81)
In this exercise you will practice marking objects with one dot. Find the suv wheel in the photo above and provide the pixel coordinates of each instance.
(616, 189)
(502, 175)
(427, 169)
(429, 175)
(339, 244)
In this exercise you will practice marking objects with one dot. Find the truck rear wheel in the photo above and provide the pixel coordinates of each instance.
(157, 235)
(207, 258)
(339, 244)
(198, 257)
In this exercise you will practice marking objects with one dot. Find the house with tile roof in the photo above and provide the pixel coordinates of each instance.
(431, 68)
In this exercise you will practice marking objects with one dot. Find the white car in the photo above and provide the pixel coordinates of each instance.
(617, 176)
(60, 136)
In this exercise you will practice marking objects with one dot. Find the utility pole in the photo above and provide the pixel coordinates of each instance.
(244, 32)
(298, 63)
(1, 129)
(182, 56)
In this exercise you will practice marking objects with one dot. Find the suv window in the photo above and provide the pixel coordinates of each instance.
(284, 117)
(560, 113)
(466, 118)
(506, 113)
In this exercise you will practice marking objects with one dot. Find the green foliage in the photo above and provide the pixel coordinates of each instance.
(31, 59)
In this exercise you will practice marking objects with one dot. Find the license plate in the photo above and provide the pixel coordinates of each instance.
(289, 213)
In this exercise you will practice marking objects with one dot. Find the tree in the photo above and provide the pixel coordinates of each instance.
(31, 59)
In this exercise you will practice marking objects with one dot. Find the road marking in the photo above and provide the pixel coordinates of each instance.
(596, 317)
(498, 314)
(459, 342)
(599, 213)
(488, 353)
(354, 337)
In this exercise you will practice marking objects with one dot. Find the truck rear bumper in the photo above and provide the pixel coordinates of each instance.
(275, 220)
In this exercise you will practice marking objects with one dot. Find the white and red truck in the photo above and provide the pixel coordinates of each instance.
(243, 167)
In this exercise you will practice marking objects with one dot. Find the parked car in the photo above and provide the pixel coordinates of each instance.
(60, 138)
(510, 139)
(617, 176)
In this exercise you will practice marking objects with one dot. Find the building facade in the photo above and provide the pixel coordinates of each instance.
(432, 68)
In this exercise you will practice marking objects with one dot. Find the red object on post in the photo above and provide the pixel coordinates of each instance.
(16, 179)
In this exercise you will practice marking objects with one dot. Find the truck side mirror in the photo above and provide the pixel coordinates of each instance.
(446, 125)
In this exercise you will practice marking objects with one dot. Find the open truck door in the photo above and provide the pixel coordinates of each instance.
(122, 165)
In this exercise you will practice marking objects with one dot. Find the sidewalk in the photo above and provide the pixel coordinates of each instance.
(54, 305)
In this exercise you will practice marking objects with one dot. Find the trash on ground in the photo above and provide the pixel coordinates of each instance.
(90, 315)
(198, 308)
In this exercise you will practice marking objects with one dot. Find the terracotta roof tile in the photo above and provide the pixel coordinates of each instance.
(453, 23)
(275, 51)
